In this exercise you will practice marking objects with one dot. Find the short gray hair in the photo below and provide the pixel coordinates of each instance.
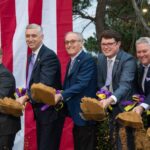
(80, 36)
(35, 26)
(145, 40)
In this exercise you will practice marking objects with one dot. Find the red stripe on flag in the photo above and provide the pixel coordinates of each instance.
(35, 16)
(64, 24)
(35, 11)
(8, 26)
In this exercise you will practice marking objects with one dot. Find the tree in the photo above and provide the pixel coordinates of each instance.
(119, 15)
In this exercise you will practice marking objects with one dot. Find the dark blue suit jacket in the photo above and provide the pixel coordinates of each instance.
(147, 84)
(123, 75)
(47, 71)
(80, 82)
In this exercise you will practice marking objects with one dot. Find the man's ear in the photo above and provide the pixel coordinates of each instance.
(119, 43)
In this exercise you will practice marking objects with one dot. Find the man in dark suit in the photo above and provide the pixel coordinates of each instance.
(143, 55)
(9, 125)
(44, 67)
(80, 81)
(116, 73)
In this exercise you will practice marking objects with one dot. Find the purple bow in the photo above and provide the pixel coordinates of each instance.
(20, 92)
(135, 98)
(106, 92)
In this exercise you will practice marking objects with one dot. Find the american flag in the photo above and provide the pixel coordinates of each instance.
(55, 16)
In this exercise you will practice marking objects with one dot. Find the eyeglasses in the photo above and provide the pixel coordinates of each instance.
(71, 42)
(108, 44)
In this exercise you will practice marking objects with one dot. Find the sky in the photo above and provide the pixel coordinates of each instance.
(79, 23)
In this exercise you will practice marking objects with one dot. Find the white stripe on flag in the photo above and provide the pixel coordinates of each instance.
(19, 44)
(49, 24)
(20, 58)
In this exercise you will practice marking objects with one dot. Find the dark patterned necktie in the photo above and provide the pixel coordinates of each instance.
(144, 77)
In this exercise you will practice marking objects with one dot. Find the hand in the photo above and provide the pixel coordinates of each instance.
(106, 102)
(138, 109)
(22, 99)
(58, 97)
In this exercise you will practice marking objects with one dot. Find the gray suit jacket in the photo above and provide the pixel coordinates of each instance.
(123, 75)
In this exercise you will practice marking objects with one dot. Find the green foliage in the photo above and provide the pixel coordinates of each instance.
(103, 136)
(91, 44)
(120, 16)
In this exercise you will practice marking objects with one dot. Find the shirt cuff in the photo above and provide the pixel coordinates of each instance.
(145, 106)
(114, 98)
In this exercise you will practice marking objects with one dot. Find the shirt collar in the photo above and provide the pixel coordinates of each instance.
(146, 66)
(113, 58)
(37, 51)
(74, 57)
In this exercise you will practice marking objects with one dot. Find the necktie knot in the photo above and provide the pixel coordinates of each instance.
(109, 62)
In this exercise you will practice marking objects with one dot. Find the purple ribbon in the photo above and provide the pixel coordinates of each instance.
(135, 98)
(21, 92)
(125, 103)
(106, 92)
(46, 106)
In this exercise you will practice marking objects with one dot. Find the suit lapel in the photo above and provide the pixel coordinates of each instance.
(104, 68)
(116, 63)
(140, 74)
(38, 59)
(76, 63)
(115, 66)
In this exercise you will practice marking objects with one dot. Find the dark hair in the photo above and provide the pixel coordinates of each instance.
(108, 34)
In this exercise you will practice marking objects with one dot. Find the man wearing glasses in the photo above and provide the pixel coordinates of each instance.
(80, 81)
(116, 72)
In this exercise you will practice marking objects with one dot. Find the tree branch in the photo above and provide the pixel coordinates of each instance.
(139, 15)
(86, 26)
(83, 15)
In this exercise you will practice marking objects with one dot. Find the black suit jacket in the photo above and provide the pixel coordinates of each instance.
(147, 84)
(8, 123)
(47, 71)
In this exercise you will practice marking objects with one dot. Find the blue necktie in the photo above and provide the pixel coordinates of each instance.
(31, 65)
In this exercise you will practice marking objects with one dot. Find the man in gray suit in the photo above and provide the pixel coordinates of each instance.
(116, 73)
